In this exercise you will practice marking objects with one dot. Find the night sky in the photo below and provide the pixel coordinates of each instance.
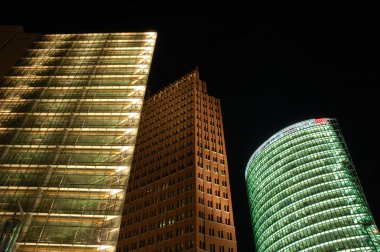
(269, 72)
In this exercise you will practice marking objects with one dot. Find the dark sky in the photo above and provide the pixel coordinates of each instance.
(268, 71)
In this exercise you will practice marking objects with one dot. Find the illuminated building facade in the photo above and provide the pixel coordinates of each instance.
(178, 194)
(304, 193)
(70, 111)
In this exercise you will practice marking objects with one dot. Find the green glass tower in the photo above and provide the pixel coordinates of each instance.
(304, 194)
(69, 114)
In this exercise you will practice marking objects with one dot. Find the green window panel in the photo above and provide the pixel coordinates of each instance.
(304, 194)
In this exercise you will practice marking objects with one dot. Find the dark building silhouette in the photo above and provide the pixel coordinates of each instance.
(13, 44)
(178, 196)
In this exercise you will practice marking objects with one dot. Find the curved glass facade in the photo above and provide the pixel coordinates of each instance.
(304, 194)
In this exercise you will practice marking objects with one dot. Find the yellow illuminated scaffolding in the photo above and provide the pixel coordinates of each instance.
(69, 115)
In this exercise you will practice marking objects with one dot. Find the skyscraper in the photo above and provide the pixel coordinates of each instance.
(178, 194)
(304, 193)
(69, 112)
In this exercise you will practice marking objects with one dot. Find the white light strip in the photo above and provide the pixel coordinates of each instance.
(62, 42)
(278, 135)
(90, 246)
(361, 249)
(82, 77)
(299, 184)
(72, 100)
(121, 129)
(333, 241)
(324, 193)
(73, 167)
(103, 88)
(88, 49)
(63, 147)
(61, 189)
(123, 114)
(278, 180)
(265, 166)
(97, 34)
(81, 67)
(293, 234)
(80, 216)
(43, 57)
(301, 210)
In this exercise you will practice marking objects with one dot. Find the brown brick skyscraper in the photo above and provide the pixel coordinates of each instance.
(178, 193)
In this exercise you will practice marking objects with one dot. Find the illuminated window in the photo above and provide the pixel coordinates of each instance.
(304, 193)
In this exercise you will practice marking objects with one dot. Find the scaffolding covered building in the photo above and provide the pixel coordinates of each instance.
(69, 115)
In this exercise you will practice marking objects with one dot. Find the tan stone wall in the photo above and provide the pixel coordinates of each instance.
(179, 168)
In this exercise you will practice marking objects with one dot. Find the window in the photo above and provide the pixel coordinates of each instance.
(218, 206)
(229, 236)
(202, 245)
(211, 231)
(210, 203)
(212, 247)
(201, 214)
(220, 233)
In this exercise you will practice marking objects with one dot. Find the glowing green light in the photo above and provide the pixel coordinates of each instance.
(304, 194)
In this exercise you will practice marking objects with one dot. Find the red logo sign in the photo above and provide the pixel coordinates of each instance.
(321, 120)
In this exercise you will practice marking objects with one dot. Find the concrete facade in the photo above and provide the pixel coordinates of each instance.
(178, 196)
